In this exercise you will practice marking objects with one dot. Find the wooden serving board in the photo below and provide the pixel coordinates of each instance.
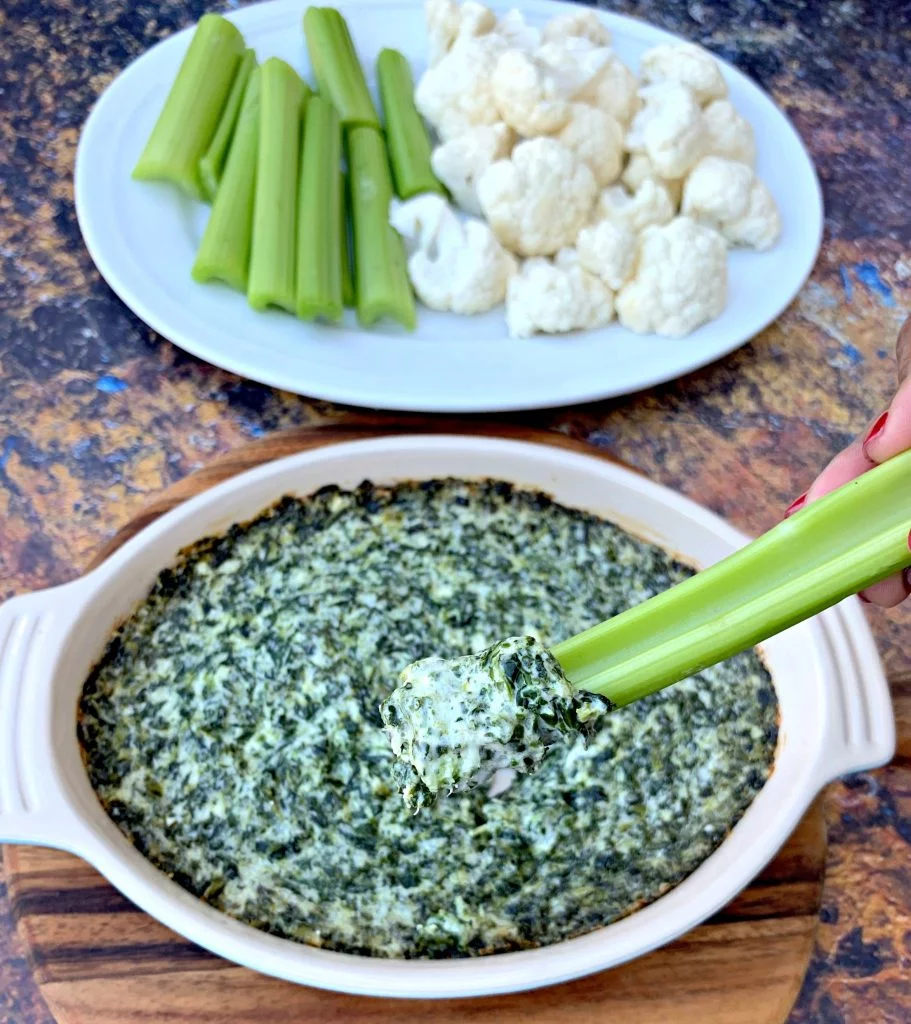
(99, 960)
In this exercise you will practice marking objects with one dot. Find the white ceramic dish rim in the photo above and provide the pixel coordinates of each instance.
(835, 708)
(452, 363)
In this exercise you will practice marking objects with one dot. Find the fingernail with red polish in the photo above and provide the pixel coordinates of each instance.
(795, 505)
(878, 427)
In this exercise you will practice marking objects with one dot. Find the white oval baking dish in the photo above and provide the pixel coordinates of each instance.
(836, 715)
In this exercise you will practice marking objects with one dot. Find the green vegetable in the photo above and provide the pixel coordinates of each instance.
(212, 164)
(191, 112)
(337, 69)
(224, 254)
(347, 279)
(282, 97)
(406, 135)
(320, 216)
(381, 279)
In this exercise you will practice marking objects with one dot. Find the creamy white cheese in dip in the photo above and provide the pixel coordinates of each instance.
(453, 723)
(232, 727)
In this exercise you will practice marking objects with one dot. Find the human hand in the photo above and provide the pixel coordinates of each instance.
(888, 435)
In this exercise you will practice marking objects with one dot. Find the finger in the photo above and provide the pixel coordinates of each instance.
(845, 467)
(890, 433)
(890, 592)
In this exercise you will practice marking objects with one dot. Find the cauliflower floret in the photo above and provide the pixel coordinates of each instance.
(608, 250)
(670, 129)
(760, 226)
(461, 161)
(475, 20)
(687, 64)
(680, 282)
(447, 20)
(555, 296)
(717, 190)
(597, 140)
(614, 89)
(650, 204)
(730, 134)
(639, 168)
(420, 220)
(442, 18)
(518, 33)
(466, 272)
(539, 199)
(455, 94)
(574, 62)
(528, 97)
(581, 24)
(727, 195)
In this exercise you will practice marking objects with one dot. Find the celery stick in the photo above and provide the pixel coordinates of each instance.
(213, 162)
(381, 276)
(224, 254)
(406, 135)
(319, 213)
(347, 279)
(338, 71)
(272, 257)
(191, 112)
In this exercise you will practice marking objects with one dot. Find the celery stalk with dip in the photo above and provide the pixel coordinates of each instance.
(453, 723)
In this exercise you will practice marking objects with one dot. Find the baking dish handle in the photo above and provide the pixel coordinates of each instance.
(33, 805)
(861, 726)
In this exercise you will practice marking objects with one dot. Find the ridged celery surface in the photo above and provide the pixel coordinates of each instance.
(191, 112)
(283, 96)
(320, 216)
(338, 71)
(224, 254)
(347, 279)
(406, 134)
(212, 164)
(381, 277)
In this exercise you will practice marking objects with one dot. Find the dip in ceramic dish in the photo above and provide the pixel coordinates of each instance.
(232, 727)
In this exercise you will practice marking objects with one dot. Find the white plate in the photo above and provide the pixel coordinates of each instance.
(143, 238)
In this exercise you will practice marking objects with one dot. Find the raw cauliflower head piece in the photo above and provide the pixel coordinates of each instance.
(687, 64)
(681, 280)
(421, 220)
(594, 75)
(556, 296)
(528, 97)
(518, 33)
(574, 62)
(455, 94)
(539, 199)
(760, 226)
(448, 20)
(581, 24)
(442, 18)
(608, 250)
(650, 204)
(670, 129)
(717, 190)
(459, 162)
(639, 169)
(597, 140)
(730, 134)
(727, 195)
(465, 271)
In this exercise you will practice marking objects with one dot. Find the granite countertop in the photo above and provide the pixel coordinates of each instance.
(97, 412)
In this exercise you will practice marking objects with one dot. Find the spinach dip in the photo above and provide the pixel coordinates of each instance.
(232, 727)
(454, 722)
